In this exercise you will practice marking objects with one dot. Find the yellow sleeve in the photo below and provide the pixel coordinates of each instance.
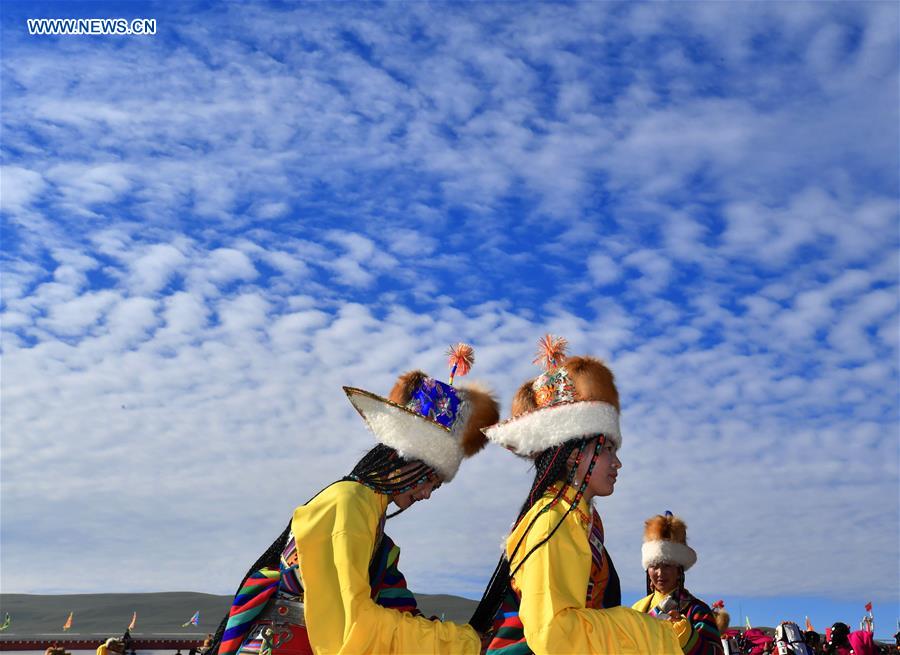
(682, 626)
(683, 630)
(643, 605)
(553, 584)
(335, 540)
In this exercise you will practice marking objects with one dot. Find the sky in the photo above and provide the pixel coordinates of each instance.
(207, 231)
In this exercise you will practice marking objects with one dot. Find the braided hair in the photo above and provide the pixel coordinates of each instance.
(382, 469)
(385, 471)
(551, 466)
(271, 558)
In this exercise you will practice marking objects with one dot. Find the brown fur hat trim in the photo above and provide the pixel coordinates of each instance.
(524, 400)
(405, 386)
(484, 410)
(593, 380)
(665, 528)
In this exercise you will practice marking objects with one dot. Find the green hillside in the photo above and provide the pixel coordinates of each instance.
(158, 614)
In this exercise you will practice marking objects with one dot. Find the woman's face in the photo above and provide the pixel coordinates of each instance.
(420, 491)
(663, 577)
(606, 469)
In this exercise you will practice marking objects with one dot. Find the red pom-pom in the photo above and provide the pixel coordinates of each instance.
(460, 359)
(551, 351)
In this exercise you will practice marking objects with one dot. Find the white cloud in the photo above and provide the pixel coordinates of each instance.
(85, 185)
(184, 314)
(152, 270)
(361, 258)
(245, 312)
(655, 269)
(223, 266)
(20, 186)
(132, 320)
(74, 316)
(603, 269)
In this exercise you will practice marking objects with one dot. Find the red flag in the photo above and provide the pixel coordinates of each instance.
(869, 606)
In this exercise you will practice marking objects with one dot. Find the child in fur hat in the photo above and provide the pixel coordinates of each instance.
(665, 557)
(329, 583)
(555, 589)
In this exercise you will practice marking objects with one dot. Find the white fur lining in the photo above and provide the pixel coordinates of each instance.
(540, 429)
(411, 434)
(667, 552)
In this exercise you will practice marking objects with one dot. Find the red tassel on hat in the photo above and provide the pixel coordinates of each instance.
(551, 352)
(460, 359)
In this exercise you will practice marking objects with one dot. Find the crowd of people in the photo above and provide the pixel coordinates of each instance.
(330, 582)
(789, 639)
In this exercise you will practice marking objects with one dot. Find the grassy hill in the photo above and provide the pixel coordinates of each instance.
(158, 614)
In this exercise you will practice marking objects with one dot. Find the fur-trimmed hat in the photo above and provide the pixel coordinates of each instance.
(573, 397)
(665, 542)
(429, 420)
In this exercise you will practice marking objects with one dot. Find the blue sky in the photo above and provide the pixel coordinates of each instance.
(208, 231)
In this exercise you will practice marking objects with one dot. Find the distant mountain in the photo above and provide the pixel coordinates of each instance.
(158, 614)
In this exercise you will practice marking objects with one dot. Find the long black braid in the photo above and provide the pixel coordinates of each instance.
(271, 558)
(382, 469)
(551, 466)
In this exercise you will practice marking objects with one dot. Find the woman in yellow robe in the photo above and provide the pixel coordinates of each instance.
(556, 590)
(330, 583)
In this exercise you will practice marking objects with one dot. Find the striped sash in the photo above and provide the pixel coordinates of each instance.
(249, 602)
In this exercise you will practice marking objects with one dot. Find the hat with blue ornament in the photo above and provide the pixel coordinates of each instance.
(429, 420)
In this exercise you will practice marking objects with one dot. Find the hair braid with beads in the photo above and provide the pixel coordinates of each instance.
(551, 466)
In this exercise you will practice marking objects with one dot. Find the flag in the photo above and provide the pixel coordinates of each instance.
(133, 621)
(747, 621)
(809, 627)
(68, 623)
(194, 620)
(869, 606)
(5, 623)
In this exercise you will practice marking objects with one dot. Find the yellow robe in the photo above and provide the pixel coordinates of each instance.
(553, 585)
(335, 534)
(644, 604)
(682, 626)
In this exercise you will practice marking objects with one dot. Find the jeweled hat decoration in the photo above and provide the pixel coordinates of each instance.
(572, 398)
(553, 386)
(665, 542)
(426, 419)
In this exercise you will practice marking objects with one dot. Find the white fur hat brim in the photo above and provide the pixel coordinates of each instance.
(535, 431)
(410, 434)
(654, 553)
